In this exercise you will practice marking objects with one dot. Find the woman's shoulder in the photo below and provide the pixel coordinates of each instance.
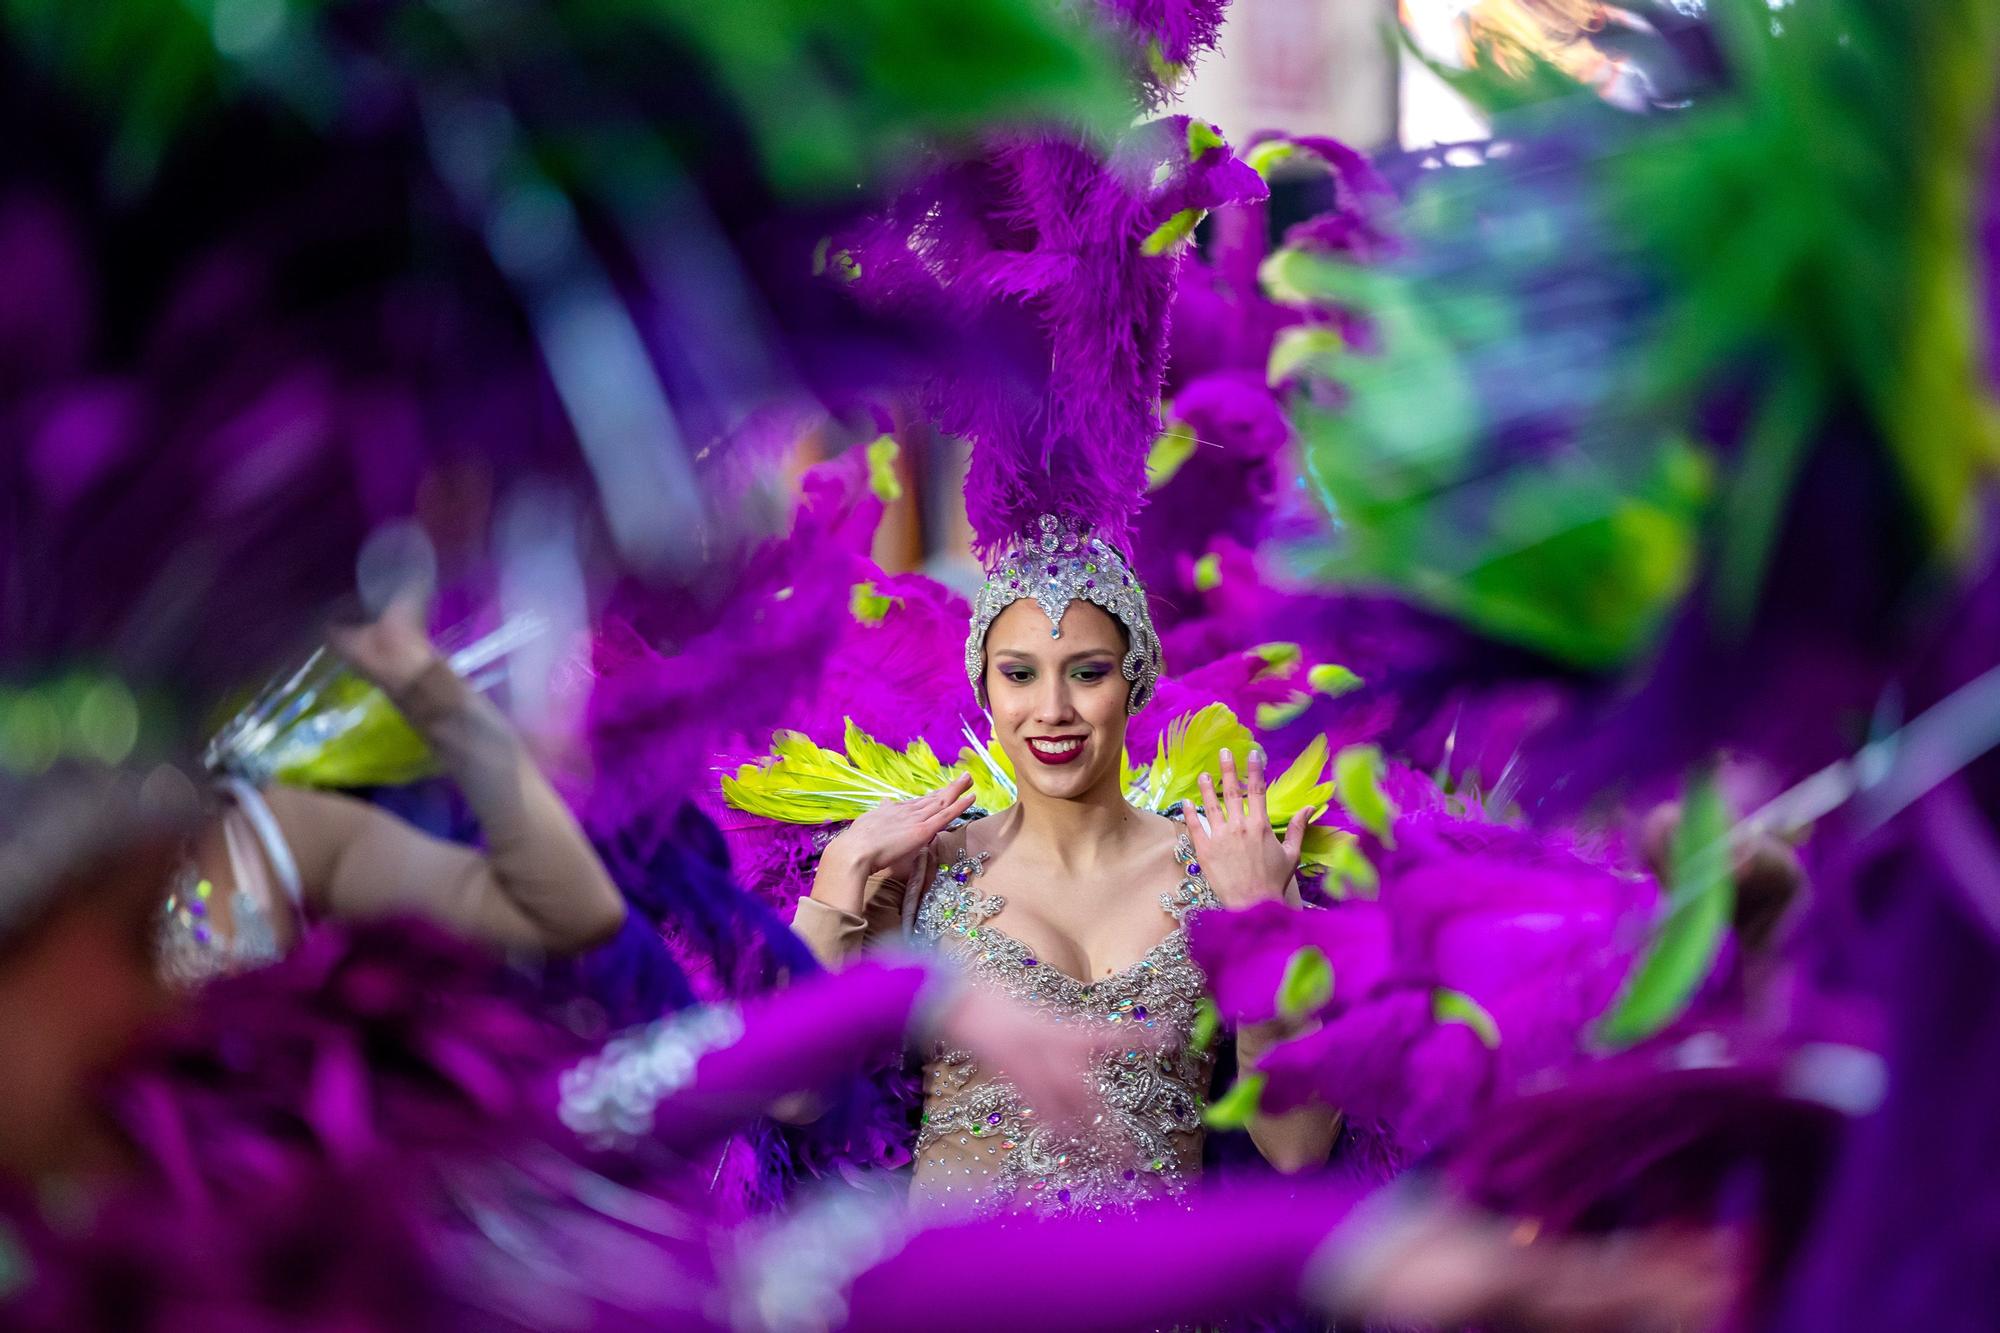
(981, 828)
(1161, 853)
(1167, 827)
(955, 843)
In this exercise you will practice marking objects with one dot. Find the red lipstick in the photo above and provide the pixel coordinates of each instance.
(1072, 751)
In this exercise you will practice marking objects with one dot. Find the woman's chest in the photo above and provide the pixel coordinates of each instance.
(1158, 989)
(1130, 933)
(1091, 946)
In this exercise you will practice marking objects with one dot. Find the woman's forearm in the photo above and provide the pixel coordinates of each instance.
(839, 883)
(1238, 1252)
(537, 859)
(1297, 1140)
(713, 1069)
(845, 907)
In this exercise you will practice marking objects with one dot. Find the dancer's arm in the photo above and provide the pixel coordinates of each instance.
(1395, 1256)
(836, 934)
(728, 1066)
(1219, 1258)
(537, 884)
(1245, 866)
(1299, 1139)
(863, 874)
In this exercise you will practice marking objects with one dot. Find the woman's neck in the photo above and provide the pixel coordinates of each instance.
(1077, 836)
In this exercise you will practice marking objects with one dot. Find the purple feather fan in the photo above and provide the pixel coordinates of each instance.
(1427, 688)
(890, 655)
(900, 677)
(680, 684)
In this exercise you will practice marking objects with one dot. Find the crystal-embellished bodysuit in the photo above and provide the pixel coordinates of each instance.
(199, 942)
(981, 1149)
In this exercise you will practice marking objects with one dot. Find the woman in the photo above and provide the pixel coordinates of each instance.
(278, 857)
(1072, 900)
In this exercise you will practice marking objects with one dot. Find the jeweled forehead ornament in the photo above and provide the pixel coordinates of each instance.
(1056, 563)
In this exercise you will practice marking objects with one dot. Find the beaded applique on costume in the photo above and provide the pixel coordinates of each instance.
(191, 949)
(194, 947)
(1145, 1139)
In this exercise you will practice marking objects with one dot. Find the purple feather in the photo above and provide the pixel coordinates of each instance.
(1228, 488)
(679, 683)
(1533, 934)
(1356, 224)
(1170, 33)
(366, 1135)
(1037, 252)
(901, 678)
(1244, 953)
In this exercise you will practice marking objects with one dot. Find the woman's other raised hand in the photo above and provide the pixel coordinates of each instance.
(1239, 857)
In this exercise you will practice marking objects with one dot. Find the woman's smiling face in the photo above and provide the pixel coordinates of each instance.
(1058, 703)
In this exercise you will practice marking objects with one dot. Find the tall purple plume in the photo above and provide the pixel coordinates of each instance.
(1051, 260)
(1167, 37)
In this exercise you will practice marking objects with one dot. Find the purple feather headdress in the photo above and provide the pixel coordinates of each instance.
(1059, 266)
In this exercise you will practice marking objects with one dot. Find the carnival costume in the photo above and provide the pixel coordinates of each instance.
(979, 1143)
(1084, 251)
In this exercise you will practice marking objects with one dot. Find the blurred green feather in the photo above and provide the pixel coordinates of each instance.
(323, 726)
(1526, 449)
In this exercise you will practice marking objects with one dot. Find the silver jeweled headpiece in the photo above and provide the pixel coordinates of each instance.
(1055, 564)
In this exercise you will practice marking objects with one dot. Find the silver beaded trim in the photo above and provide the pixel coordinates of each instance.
(1145, 1139)
(192, 952)
(1056, 564)
(609, 1098)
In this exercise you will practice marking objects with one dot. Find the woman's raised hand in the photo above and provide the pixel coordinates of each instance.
(889, 837)
(1239, 858)
(391, 650)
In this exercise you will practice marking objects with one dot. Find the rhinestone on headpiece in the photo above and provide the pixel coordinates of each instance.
(1056, 563)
